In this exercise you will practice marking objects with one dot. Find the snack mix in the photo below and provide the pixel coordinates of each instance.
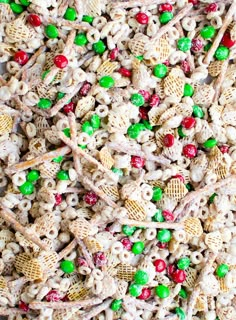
(118, 159)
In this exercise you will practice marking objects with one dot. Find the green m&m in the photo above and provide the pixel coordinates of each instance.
(88, 19)
(198, 112)
(157, 194)
(184, 44)
(138, 247)
(70, 14)
(5, 1)
(137, 99)
(58, 159)
(221, 53)
(25, 3)
(44, 103)
(160, 70)
(33, 175)
(60, 95)
(208, 32)
(162, 291)
(128, 230)
(222, 270)
(107, 82)
(141, 277)
(87, 128)
(183, 263)
(212, 197)
(134, 130)
(66, 132)
(188, 90)
(51, 31)
(16, 8)
(210, 143)
(63, 175)
(81, 39)
(116, 304)
(67, 266)
(95, 121)
(165, 17)
(99, 47)
(117, 171)
(27, 188)
(164, 235)
(180, 313)
(183, 294)
(158, 216)
(135, 289)
(180, 132)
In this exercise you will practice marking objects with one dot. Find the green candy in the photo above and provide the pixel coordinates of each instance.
(184, 44)
(67, 266)
(183, 263)
(82, 146)
(164, 235)
(88, 19)
(117, 171)
(138, 247)
(207, 46)
(165, 17)
(87, 128)
(51, 31)
(58, 159)
(180, 132)
(63, 175)
(135, 290)
(99, 47)
(183, 294)
(147, 124)
(66, 132)
(141, 277)
(137, 99)
(221, 53)
(95, 121)
(134, 130)
(81, 39)
(189, 187)
(33, 175)
(188, 90)
(128, 230)
(70, 14)
(140, 58)
(25, 3)
(116, 304)
(212, 197)
(198, 112)
(210, 143)
(44, 103)
(60, 95)
(16, 8)
(222, 270)
(26, 188)
(208, 32)
(5, 1)
(160, 70)
(157, 194)
(44, 74)
(162, 291)
(158, 217)
(180, 313)
(107, 82)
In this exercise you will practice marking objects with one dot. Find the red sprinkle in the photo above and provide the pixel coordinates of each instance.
(70, 107)
(178, 276)
(179, 176)
(154, 100)
(224, 149)
(114, 54)
(190, 151)
(142, 18)
(137, 162)
(84, 90)
(34, 20)
(58, 198)
(23, 306)
(197, 45)
(168, 215)
(127, 244)
(91, 198)
(143, 113)
(165, 7)
(125, 72)
(145, 94)
(61, 61)
(168, 140)
(81, 262)
(160, 265)
(21, 57)
(226, 40)
(53, 296)
(212, 7)
(185, 66)
(99, 259)
(188, 122)
(146, 293)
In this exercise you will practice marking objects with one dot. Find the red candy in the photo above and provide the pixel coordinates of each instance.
(171, 269)
(61, 61)
(168, 140)
(84, 90)
(197, 45)
(23, 306)
(168, 215)
(146, 293)
(194, 2)
(143, 113)
(185, 66)
(58, 199)
(125, 72)
(160, 265)
(53, 296)
(166, 63)
(154, 100)
(127, 244)
(99, 259)
(145, 94)
(137, 162)
(91, 198)
(188, 122)
(212, 7)
(142, 18)
(70, 107)
(114, 54)
(189, 151)
(178, 176)
(165, 7)
(21, 57)
(162, 245)
(178, 276)
(82, 262)
(226, 40)
(34, 20)
(224, 149)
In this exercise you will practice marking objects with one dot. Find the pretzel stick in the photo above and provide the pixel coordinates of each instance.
(217, 40)
(96, 310)
(73, 133)
(60, 104)
(147, 224)
(196, 290)
(209, 189)
(86, 254)
(8, 216)
(63, 253)
(68, 46)
(220, 80)
(33, 162)
(62, 8)
(38, 305)
(86, 156)
(135, 3)
(10, 311)
(182, 13)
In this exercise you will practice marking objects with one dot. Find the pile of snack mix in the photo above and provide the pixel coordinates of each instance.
(118, 160)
